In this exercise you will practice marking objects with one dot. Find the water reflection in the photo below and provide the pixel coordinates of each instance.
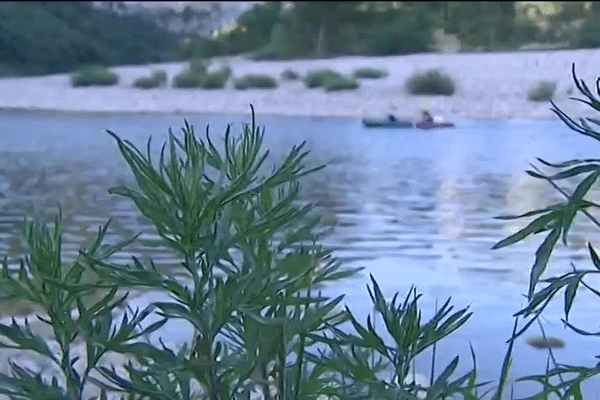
(413, 208)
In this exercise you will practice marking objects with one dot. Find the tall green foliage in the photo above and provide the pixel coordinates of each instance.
(253, 265)
(51, 37)
(554, 223)
(481, 23)
(404, 35)
(320, 29)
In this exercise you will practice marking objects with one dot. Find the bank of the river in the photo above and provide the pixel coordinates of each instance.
(489, 86)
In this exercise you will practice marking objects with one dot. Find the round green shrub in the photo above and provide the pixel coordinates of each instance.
(157, 79)
(290, 75)
(337, 83)
(431, 82)
(541, 91)
(215, 80)
(198, 66)
(146, 82)
(255, 81)
(188, 79)
(160, 75)
(370, 73)
(94, 75)
(315, 79)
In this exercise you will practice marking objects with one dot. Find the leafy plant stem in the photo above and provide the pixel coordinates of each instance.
(585, 212)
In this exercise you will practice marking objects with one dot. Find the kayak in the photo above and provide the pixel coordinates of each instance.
(386, 123)
(397, 123)
(434, 125)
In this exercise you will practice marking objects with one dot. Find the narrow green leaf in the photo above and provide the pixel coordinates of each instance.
(594, 256)
(575, 200)
(541, 259)
(532, 227)
(570, 292)
(581, 169)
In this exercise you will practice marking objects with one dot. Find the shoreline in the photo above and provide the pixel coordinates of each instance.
(229, 113)
(489, 87)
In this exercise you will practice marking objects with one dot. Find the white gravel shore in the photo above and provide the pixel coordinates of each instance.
(489, 86)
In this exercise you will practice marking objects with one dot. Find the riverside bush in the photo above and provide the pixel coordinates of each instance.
(542, 91)
(255, 81)
(215, 80)
(94, 75)
(188, 79)
(337, 83)
(370, 73)
(315, 79)
(156, 79)
(431, 82)
(198, 66)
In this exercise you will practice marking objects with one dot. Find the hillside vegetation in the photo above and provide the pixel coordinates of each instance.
(326, 29)
(54, 37)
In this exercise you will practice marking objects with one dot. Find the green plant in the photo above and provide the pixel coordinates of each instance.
(555, 222)
(199, 48)
(589, 34)
(255, 81)
(198, 66)
(215, 80)
(405, 35)
(188, 79)
(252, 262)
(43, 39)
(315, 79)
(160, 75)
(156, 79)
(290, 75)
(94, 75)
(542, 91)
(63, 293)
(225, 70)
(359, 358)
(430, 82)
(337, 83)
(370, 73)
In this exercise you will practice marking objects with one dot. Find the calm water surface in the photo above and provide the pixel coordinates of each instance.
(412, 207)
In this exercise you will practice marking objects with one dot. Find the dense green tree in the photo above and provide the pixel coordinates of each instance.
(321, 29)
(258, 22)
(481, 23)
(51, 37)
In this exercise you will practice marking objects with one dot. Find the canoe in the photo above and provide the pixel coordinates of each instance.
(386, 123)
(434, 125)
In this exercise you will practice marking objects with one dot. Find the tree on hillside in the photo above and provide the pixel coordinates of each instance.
(481, 23)
(322, 21)
(51, 37)
(258, 22)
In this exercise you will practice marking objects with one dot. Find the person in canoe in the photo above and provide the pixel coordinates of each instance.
(426, 116)
(391, 118)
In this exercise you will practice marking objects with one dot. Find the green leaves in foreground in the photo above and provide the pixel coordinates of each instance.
(75, 315)
(556, 221)
(248, 289)
(363, 356)
(248, 248)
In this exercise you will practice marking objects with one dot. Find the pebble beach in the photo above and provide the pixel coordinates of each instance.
(489, 86)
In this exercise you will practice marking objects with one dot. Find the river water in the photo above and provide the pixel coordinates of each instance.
(412, 207)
